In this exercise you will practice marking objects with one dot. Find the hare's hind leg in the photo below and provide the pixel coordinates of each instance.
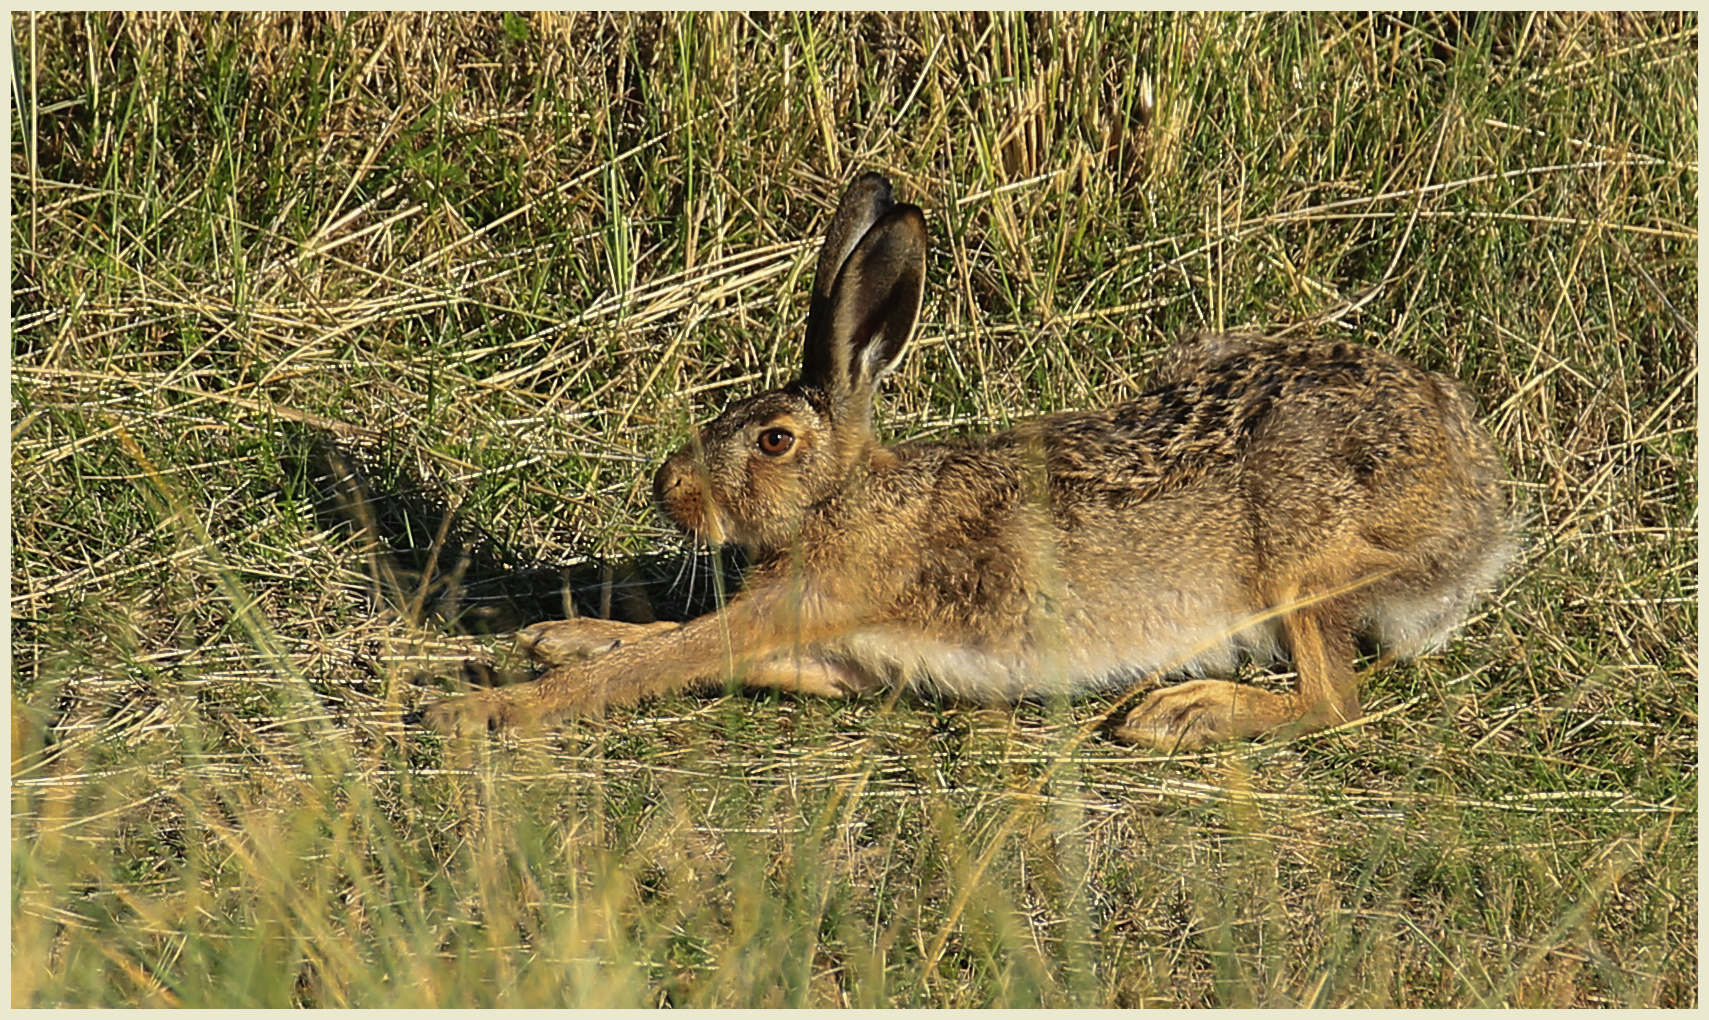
(1188, 716)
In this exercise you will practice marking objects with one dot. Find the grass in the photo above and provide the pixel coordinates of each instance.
(343, 345)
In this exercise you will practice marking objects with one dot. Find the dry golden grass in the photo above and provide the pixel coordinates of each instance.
(344, 344)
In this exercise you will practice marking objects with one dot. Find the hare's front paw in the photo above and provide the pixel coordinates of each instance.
(560, 693)
(555, 642)
(469, 714)
(1189, 716)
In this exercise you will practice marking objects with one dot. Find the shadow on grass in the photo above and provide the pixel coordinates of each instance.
(436, 567)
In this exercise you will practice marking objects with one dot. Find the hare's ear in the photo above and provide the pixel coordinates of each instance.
(869, 312)
(868, 198)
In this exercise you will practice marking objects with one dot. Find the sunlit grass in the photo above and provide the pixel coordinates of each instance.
(342, 344)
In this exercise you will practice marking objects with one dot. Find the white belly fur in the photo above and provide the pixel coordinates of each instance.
(1081, 655)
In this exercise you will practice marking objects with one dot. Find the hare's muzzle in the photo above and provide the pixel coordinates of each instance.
(680, 491)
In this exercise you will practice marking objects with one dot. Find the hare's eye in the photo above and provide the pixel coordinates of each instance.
(776, 442)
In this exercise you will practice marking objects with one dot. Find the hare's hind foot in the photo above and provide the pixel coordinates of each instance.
(1192, 715)
(1196, 714)
(557, 642)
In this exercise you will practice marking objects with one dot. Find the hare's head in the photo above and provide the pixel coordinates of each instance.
(751, 474)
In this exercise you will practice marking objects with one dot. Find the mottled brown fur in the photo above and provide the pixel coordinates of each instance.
(1261, 497)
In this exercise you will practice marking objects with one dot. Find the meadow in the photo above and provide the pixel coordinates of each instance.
(344, 345)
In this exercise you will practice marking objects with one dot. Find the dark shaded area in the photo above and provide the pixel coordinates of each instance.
(435, 566)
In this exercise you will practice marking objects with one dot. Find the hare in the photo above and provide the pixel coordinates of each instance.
(1263, 497)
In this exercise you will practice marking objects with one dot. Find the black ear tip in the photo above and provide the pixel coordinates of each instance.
(906, 220)
(873, 179)
(870, 190)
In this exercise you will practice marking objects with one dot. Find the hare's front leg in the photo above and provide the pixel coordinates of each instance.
(1189, 716)
(804, 674)
(559, 642)
(749, 638)
(585, 687)
(564, 642)
(577, 687)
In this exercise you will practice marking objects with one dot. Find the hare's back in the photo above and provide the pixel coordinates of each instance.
(1306, 412)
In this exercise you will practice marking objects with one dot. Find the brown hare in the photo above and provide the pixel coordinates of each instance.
(1263, 497)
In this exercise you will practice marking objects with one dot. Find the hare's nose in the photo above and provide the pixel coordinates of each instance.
(666, 479)
(676, 471)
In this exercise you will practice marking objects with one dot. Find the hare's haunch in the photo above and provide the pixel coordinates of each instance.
(1263, 497)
